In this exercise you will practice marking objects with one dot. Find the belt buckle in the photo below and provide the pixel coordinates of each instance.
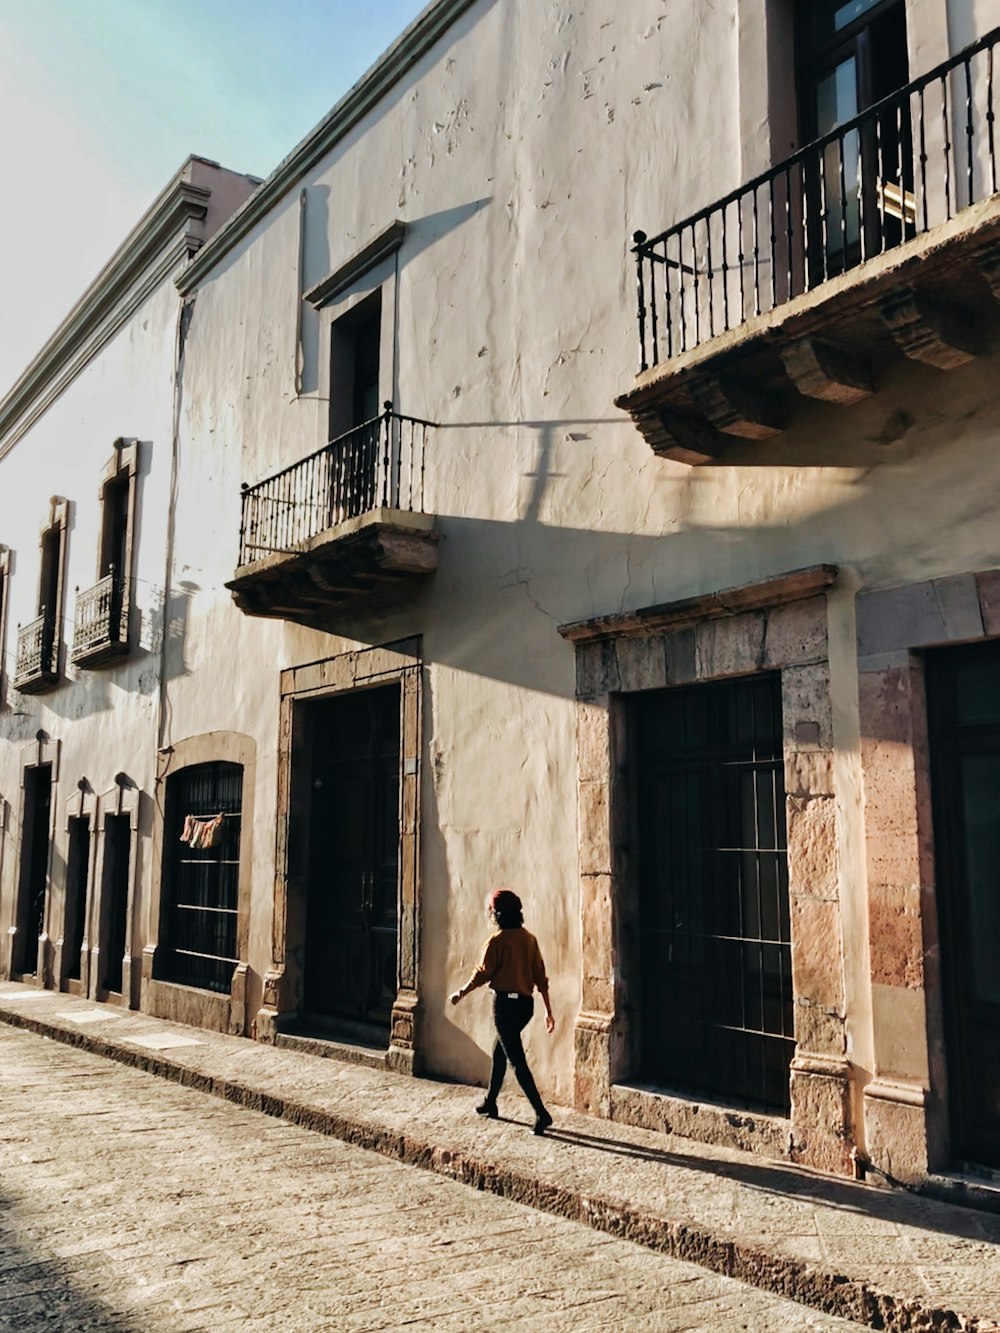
(513, 995)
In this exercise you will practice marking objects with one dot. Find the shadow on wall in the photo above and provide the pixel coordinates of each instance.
(421, 234)
(445, 1044)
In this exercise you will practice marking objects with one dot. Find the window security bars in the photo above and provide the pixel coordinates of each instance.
(200, 892)
(101, 616)
(908, 164)
(379, 464)
(36, 653)
(714, 940)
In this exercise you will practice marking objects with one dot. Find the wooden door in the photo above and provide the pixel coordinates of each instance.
(352, 892)
(964, 708)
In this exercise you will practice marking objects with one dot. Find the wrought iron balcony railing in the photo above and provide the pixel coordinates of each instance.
(901, 168)
(379, 464)
(35, 665)
(101, 624)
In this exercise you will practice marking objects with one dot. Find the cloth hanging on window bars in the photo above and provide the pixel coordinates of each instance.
(201, 830)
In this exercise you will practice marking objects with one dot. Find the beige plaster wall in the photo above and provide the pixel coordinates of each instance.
(104, 720)
(522, 153)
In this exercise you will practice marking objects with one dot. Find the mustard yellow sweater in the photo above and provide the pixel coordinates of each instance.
(512, 961)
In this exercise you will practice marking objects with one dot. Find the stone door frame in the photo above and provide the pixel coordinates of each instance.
(43, 750)
(905, 1103)
(168, 999)
(393, 664)
(81, 805)
(776, 625)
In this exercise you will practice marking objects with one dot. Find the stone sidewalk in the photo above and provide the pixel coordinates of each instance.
(890, 1260)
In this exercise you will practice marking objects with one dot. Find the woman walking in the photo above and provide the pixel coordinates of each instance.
(512, 966)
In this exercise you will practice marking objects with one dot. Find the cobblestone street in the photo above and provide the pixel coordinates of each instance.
(130, 1205)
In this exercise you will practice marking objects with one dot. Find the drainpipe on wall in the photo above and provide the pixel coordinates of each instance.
(183, 323)
(299, 297)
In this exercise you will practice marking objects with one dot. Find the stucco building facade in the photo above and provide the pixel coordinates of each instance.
(700, 659)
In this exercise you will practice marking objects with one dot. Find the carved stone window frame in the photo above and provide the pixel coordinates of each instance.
(168, 999)
(780, 624)
(399, 664)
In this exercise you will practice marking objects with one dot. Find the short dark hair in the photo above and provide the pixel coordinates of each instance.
(506, 907)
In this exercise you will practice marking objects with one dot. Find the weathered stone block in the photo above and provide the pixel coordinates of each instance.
(597, 923)
(821, 1100)
(896, 1132)
(812, 847)
(988, 589)
(704, 1123)
(730, 647)
(805, 707)
(591, 1074)
(938, 611)
(596, 669)
(796, 634)
(817, 951)
(641, 664)
(593, 739)
(595, 829)
(809, 773)
(819, 1030)
(897, 950)
(900, 1029)
(680, 653)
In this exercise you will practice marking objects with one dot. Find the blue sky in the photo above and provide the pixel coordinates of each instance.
(101, 101)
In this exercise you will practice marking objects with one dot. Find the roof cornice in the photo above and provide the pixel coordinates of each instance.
(158, 242)
(404, 53)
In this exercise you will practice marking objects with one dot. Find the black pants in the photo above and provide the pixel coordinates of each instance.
(511, 1018)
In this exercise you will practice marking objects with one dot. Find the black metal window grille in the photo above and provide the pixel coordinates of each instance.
(715, 948)
(200, 888)
(903, 166)
(377, 464)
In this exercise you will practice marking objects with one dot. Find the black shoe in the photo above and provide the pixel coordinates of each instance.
(489, 1108)
(543, 1122)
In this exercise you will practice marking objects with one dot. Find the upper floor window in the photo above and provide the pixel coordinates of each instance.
(355, 364)
(40, 641)
(103, 611)
(852, 54)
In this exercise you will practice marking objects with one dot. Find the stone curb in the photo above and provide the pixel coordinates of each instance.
(820, 1289)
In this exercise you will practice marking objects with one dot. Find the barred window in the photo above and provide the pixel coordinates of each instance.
(715, 951)
(200, 884)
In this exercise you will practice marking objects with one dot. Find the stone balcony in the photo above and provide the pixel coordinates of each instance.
(37, 662)
(101, 623)
(881, 240)
(341, 533)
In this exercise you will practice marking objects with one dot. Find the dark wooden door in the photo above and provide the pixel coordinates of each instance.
(714, 952)
(964, 706)
(34, 865)
(351, 898)
(77, 880)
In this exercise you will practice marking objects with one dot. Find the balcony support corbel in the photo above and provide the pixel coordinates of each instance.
(926, 331)
(988, 263)
(679, 438)
(736, 407)
(821, 369)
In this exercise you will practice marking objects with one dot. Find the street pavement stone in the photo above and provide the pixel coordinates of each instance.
(132, 1205)
(890, 1259)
